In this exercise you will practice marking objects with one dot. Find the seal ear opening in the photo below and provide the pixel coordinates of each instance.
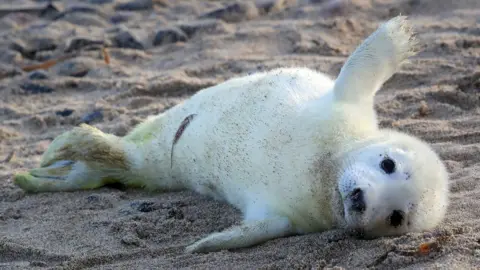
(375, 61)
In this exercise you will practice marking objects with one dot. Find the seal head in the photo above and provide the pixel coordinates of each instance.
(392, 185)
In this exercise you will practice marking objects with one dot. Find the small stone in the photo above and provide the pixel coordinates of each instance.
(7, 71)
(10, 213)
(171, 35)
(34, 88)
(38, 75)
(131, 240)
(267, 6)
(423, 110)
(34, 45)
(121, 17)
(234, 12)
(203, 26)
(35, 123)
(78, 43)
(175, 213)
(96, 202)
(85, 19)
(10, 56)
(43, 44)
(50, 11)
(93, 198)
(100, 2)
(90, 117)
(38, 264)
(476, 253)
(77, 67)
(65, 112)
(21, 47)
(42, 56)
(125, 39)
(42, 146)
(79, 9)
(15, 20)
(135, 5)
(120, 130)
(144, 207)
(13, 196)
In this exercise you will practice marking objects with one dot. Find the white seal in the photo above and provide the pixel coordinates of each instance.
(295, 151)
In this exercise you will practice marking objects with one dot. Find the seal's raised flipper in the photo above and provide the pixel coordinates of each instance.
(245, 235)
(83, 158)
(375, 61)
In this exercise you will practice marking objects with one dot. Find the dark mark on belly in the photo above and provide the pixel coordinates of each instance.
(179, 133)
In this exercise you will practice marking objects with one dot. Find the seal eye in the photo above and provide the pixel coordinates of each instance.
(388, 165)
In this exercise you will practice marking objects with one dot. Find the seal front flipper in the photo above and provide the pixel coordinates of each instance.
(375, 61)
(245, 235)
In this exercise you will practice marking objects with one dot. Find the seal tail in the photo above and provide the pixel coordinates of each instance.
(375, 61)
(83, 158)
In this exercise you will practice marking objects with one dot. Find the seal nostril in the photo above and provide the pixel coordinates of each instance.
(396, 218)
(358, 201)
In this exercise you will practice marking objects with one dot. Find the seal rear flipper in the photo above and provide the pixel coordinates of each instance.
(64, 176)
(83, 158)
(245, 235)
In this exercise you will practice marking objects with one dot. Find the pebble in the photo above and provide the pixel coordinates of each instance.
(97, 202)
(35, 123)
(121, 17)
(38, 75)
(205, 26)
(34, 88)
(78, 43)
(42, 146)
(10, 213)
(120, 130)
(16, 20)
(50, 11)
(144, 206)
(10, 56)
(169, 35)
(93, 116)
(135, 5)
(34, 45)
(42, 56)
(38, 264)
(234, 12)
(79, 9)
(86, 19)
(76, 67)
(175, 213)
(125, 39)
(7, 71)
(100, 2)
(64, 112)
(131, 240)
(267, 6)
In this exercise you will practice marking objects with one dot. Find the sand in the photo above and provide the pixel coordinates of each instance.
(163, 51)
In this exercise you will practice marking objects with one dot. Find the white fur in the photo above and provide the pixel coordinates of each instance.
(288, 146)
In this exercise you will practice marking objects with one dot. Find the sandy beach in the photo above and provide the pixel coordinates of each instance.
(112, 63)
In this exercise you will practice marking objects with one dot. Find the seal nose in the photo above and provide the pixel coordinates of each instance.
(396, 218)
(358, 200)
